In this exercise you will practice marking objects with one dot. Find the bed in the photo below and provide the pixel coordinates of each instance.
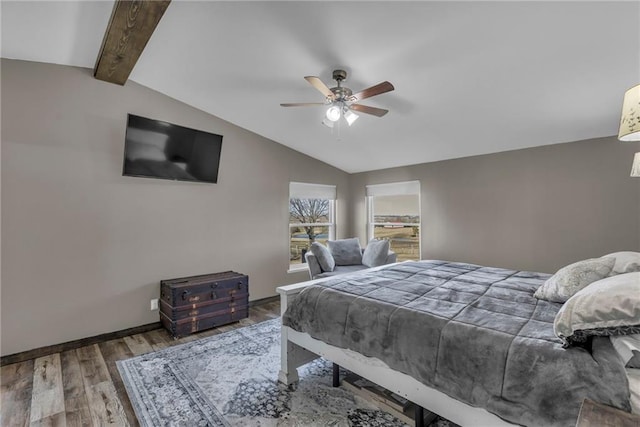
(468, 342)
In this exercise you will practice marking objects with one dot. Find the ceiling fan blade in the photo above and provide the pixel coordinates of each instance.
(318, 84)
(302, 104)
(372, 91)
(369, 110)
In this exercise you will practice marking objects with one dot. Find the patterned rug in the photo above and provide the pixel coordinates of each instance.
(231, 380)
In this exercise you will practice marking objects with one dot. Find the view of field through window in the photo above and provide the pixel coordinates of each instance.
(310, 220)
(397, 219)
(394, 218)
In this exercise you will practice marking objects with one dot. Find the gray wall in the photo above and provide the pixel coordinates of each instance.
(84, 247)
(535, 209)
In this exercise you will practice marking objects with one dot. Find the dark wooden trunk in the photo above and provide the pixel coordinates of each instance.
(186, 291)
(192, 304)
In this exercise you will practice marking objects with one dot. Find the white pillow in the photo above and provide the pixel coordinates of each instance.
(607, 307)
(628, 347)
(626, 262)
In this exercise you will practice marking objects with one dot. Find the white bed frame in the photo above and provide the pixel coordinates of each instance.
(300, 348)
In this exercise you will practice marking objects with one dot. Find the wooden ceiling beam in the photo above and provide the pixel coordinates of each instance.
(130, 27)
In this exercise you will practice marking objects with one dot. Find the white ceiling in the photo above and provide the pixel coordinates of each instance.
(470, 77)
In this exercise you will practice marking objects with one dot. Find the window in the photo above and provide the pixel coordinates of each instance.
(311, 218)
(394, 214)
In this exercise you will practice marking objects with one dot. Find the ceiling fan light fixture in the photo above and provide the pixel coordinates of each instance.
(341, 101)
(333, 113)
(350, 116)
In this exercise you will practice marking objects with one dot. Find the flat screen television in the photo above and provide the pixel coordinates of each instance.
(156, 149)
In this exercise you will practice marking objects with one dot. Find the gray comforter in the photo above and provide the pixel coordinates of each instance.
(475, 333)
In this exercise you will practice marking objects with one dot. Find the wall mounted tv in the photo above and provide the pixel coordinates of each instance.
(156, 149)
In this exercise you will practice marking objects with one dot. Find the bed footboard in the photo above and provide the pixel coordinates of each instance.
(292, 356)
(298, 348)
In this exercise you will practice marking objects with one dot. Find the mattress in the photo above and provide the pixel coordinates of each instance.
(475, 333)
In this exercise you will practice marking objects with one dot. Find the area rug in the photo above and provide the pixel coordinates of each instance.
(231, 380)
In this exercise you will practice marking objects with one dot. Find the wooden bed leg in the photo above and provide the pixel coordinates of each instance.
(336, 375)
(292, 356)
(288, 374)
(419, 415)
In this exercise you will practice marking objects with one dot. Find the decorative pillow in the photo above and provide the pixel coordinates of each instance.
(628, 347)
(375, 253)
(626, 262)
(346, 251)
(607, 307)
(570, 279)
(322, 254)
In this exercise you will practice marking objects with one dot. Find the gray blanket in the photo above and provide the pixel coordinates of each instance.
(475, 333)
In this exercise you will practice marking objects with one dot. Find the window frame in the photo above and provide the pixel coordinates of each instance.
(331, 224)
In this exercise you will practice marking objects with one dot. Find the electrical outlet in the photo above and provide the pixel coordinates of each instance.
(154, 304)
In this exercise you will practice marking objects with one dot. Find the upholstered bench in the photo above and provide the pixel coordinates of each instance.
(346, 256)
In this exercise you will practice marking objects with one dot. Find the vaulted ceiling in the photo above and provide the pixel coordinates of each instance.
(471, 77)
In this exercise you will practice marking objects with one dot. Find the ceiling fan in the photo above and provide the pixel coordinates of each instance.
(342, 101)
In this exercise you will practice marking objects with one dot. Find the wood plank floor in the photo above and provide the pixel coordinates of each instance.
(82, 387)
